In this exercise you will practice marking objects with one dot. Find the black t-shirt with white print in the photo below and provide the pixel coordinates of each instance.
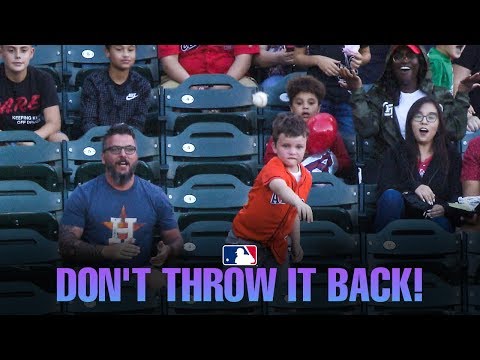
(22, 104)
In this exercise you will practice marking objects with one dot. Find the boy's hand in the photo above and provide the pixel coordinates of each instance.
(297, 252)
(304, 212)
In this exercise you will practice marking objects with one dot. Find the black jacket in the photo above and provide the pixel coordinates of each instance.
(397, 173)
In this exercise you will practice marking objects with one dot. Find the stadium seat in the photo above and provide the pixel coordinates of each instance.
(49, 58)
(472, 240)
(72, 116)
(325, 245)
(203, 242)
(22, 246)
(466, 139)
(332, 200)
(152, 123)
(41, 162)
(207, 147)
(277, 99)
(19, 196)
(184, 105)
(147, 64)
(80, 61)
(29, 217)
(26, 298)
(411, 243)
(208, 197)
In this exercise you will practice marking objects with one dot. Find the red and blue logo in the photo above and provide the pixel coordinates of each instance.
(239, 255)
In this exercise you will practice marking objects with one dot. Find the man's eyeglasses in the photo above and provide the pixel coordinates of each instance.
(397, 57)
(431, 117)
(117, 150)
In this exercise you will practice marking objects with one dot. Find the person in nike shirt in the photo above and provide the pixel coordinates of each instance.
(115, 94)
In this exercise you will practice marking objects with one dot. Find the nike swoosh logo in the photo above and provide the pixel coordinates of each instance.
(131, 96)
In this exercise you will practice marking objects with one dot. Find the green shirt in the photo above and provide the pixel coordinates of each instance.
(441, 68)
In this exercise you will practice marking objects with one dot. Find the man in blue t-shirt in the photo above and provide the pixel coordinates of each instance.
(109, 221)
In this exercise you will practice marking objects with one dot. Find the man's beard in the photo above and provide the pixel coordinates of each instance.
(121, 178)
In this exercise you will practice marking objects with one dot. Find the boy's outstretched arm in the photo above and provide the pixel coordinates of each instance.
(280, 187)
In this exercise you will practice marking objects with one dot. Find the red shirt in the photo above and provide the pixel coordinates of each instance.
(471, 161)
(265, 217)
(206, 59)
(423, 165)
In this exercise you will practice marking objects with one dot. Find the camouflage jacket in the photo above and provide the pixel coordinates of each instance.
(374, 113)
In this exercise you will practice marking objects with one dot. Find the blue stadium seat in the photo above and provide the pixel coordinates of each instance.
(29, 217)
(49, 58)
(147, 64)
(203, 242)
(466, 139)
(411, 243)
(333, 200)
(26, 298)
(183, 105)
(325, 245)
(26, 247)
(208, 197)
(41, 162)
(472, 240)
(211, 147)
(80, 61)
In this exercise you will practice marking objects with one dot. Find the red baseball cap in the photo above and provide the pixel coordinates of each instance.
(414, 48)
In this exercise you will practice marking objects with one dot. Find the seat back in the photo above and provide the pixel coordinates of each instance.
(208, 197)
(41, 162)
(49, 58)
(147, 64)
(205, 144)
(469, 136)
(411, 243)
(81, 60)
(333, 200)
(185, 104)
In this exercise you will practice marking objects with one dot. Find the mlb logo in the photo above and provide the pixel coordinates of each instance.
(239, 255)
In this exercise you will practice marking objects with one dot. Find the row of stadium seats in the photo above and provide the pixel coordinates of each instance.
(449, 263)
(70, 64)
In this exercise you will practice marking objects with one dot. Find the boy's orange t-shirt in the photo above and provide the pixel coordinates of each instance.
(265, 218)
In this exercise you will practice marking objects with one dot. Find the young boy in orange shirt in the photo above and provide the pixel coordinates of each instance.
(277, 200)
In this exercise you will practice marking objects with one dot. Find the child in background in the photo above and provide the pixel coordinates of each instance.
(440, 58)
(116, 94)
(305, 95)
(276, 202)
(28, 96)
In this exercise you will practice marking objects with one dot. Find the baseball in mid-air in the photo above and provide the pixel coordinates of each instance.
(260, 99)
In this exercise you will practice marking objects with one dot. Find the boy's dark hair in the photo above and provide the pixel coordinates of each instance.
(118, 129)
(290, 125)
(305, 83)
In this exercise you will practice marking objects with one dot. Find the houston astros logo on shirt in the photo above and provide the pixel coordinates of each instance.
(122, 228)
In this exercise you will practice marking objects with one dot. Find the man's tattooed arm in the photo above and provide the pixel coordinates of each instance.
(73, 248)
